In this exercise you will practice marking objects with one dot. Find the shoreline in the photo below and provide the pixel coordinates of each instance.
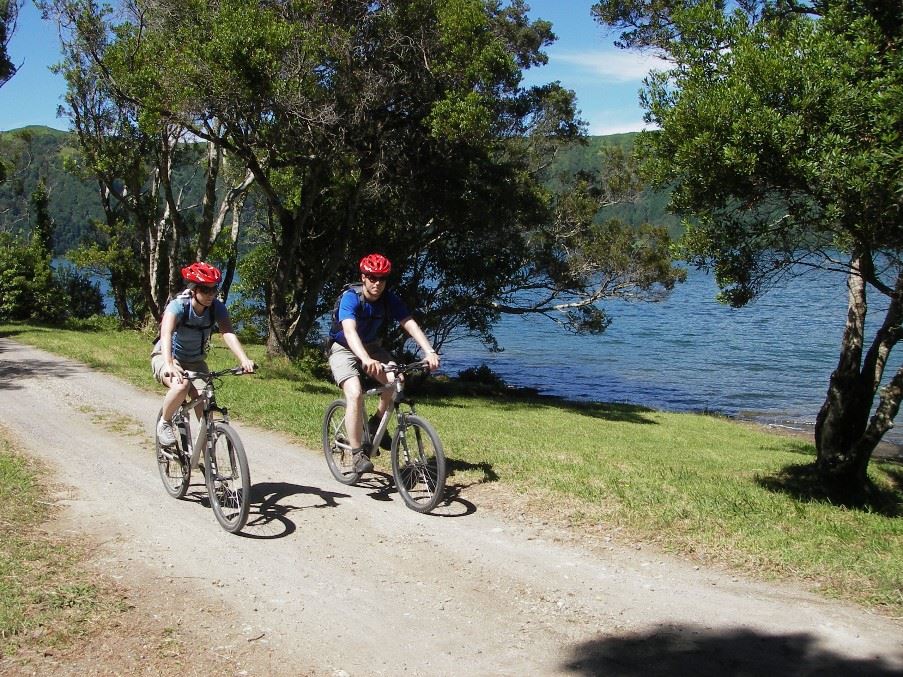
(885, 451)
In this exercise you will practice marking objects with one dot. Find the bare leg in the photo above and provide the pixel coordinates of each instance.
(175, 395)
(354, 402)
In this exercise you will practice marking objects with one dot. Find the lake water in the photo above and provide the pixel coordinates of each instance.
(768, 362)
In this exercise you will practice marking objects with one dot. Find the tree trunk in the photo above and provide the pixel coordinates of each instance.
(845, 438)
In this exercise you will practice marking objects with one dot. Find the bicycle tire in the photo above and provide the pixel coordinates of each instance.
(228, 478)
(175, 472)
(418, 464)
(335, 444)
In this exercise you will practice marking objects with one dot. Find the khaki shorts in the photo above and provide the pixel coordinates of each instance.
(345, 365)
(158, 364)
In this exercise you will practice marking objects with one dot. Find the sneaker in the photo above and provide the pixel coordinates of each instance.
(386, 441)
(166, 434)
(362, 462)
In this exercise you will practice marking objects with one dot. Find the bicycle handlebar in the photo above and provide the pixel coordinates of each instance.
(209, 376)
(419, 365)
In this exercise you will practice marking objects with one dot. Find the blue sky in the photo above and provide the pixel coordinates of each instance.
(606, 80)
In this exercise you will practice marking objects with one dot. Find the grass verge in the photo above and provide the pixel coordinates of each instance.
(710, 489)
(46, 598)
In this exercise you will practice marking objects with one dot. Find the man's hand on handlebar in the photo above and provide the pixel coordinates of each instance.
(248, 366)
(372, 367)
(432, 360)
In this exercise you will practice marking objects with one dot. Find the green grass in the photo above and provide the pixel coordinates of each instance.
(710, 489)
(46, 598)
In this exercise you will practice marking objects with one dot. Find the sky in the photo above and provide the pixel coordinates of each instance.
(606, 80)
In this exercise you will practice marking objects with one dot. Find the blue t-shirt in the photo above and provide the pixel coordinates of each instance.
(368, 316)
(190, 336)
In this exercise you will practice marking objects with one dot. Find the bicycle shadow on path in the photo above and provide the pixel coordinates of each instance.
(268, 517)
(686, 649)
(382, 487)
(270, 507)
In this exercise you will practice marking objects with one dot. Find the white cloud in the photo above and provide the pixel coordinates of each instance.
(616, 66)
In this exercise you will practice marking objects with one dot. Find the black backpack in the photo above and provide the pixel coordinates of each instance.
(358, 288)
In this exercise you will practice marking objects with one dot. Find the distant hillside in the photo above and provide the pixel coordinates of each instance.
(40, 152)
(651, 207)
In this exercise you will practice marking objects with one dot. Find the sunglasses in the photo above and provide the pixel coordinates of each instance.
(205, 289)
(374, 278)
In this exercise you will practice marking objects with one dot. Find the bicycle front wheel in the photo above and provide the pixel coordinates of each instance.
(418, 464)
(228, 478)
(336, 447)
(174, 469)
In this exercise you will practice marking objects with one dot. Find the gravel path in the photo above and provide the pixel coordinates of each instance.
(335, 580)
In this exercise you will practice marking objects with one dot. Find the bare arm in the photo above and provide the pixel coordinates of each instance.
(234, 344)
(356, 346)
(409, 324)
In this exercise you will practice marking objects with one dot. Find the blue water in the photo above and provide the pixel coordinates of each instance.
(769, 362)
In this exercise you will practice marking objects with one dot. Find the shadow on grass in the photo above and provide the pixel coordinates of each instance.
(456, 465)
(805, 483)
(694, 650)
(438, 393)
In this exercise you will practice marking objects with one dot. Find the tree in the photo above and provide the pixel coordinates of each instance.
(9, 13)
(150, 228)
(398, 126)
(781, 131)
(30, 288)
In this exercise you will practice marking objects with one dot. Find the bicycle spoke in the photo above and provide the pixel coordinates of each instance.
(418, 463)
(228, 478)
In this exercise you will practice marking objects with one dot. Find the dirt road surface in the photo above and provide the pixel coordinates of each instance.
(345, 581)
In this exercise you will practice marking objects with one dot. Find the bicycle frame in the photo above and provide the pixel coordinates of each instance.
(206, 396)
(398, 399)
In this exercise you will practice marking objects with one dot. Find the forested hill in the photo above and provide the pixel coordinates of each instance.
(42, 152)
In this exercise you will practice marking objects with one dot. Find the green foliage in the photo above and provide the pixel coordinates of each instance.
(30, 288)
(39, 153)
(27, 287)
(788, 140)
(781, 136)
(9, 12)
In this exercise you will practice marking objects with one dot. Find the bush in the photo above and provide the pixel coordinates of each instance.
(85, 297)
(483, 376)
(30, 289)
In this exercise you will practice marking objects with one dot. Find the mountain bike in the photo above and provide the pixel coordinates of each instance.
(418, 460)
(215, 449)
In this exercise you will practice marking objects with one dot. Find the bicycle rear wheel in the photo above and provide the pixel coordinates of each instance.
(174, 469)
(336, 446)
(418, 464)
(228, 478)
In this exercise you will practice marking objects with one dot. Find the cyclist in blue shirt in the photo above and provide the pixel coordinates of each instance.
(188, 322)
(355, 349)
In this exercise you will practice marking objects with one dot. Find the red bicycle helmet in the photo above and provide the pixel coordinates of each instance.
(202, 273)
(376, 265)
